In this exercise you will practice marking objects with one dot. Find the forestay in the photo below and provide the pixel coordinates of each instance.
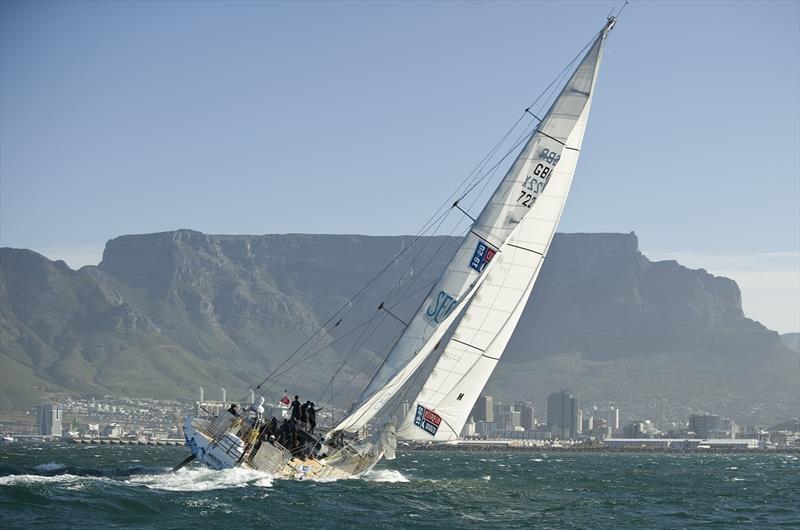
(509, 205)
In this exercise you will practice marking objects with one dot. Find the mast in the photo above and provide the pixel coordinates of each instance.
(512, 201)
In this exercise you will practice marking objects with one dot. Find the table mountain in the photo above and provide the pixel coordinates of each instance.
(164, 313)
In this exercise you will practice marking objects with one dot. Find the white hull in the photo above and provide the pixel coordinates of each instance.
(226, 441)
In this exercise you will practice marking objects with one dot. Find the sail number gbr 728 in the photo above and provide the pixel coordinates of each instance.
(534, 184)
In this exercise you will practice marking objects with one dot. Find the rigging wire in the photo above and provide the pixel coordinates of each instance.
(523, 137)
(473, 179)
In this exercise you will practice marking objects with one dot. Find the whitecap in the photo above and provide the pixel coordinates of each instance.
(384, 475)
(487, 477)
(16, 480)
(51, 466)
(204, 479)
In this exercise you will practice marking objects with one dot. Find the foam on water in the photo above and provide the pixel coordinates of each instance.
(49, 467)
(384, 475)
(21, 480)
(204, 479)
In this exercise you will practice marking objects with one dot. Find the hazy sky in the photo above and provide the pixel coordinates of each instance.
(332, 117)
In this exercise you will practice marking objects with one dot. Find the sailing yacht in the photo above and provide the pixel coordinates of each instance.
(473, 308)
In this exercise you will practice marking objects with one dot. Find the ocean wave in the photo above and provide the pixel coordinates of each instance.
(49, 467)
(22, 480)
(384, 475)
(203, 479)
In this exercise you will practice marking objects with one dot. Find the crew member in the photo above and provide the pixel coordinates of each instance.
(312, 417)
(296, 408)
(304, 415)
(258, 408)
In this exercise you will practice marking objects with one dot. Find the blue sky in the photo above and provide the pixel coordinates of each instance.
(360, 117)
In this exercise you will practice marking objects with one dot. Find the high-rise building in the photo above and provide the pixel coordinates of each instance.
(50, 417)
(526, 415)
(483, 409)
(562, 415)
(587, 424)
(224, 395)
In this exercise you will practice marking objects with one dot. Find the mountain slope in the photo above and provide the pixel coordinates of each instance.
(165, 313)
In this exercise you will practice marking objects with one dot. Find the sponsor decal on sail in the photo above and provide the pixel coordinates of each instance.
(482, 256)
(427, 420)
(441, 306)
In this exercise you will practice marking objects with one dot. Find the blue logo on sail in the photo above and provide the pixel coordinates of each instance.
(441, 306)
(483, 255)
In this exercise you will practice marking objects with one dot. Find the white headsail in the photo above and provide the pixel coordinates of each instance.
(523, 190)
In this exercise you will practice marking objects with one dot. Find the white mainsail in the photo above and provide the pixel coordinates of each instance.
(509, 205)
(478, 342)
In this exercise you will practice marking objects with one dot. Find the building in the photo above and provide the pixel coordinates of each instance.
(611, 416)
(485, 428)
(600, 430)
(562, 415)
(483, 410)
(587, 424)
(526, 419)
(50, 418)
(113, 430)
(703, 424)
(507, 416)
(640, 429)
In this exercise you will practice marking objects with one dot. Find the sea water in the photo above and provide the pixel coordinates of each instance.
(86, 486)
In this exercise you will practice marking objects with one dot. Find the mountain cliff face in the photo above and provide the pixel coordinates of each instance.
(165, 313)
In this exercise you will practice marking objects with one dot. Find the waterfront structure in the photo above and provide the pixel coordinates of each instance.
(562, 415)
(50, 419)
(113, 430)
(681, 443)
